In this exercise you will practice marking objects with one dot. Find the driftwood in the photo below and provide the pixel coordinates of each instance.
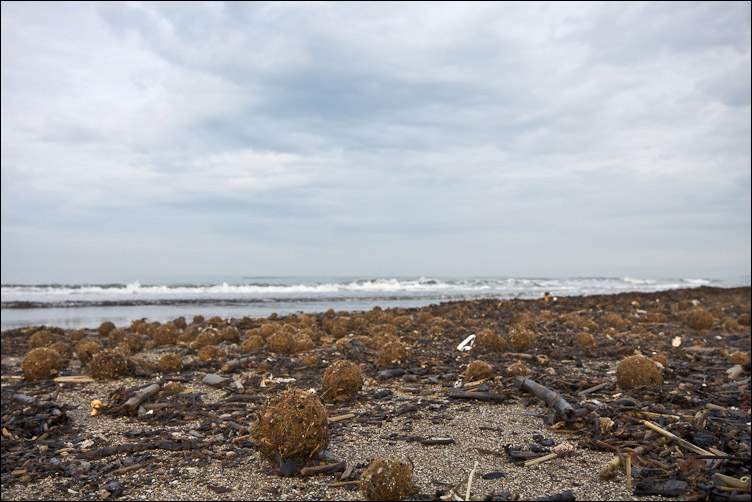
(551, 398)
(151, 445)
(320, 469)
(140, 396)
(480, 396)
(237, 363)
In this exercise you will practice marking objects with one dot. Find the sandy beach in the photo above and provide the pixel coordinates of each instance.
(467, 434)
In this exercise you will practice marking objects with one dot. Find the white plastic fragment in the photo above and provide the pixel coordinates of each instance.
(467, 343)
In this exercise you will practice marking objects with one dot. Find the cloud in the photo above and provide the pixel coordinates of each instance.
(317, 129)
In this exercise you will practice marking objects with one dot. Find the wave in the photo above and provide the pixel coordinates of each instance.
(257, 291)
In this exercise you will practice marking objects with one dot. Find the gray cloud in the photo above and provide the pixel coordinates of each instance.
(418, 138)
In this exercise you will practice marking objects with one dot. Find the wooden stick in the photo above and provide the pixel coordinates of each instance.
(139, 396)
(340, 418)
(593, 388)
(551, 398)
(629, 472)
(320, 469)
(480, 396)
(236, 363)
(680, 441)
(343, 483)
(544, 458)
(470, 481)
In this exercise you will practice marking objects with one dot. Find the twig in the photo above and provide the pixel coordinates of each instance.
(236, 363)
(470, 481)
(538, 460)
(480, 396)
(343, 483)
(340, 418)
(551, 398)
(680, 441)
(629, 472)
(593, 388)
(320, 469)
(139, 396)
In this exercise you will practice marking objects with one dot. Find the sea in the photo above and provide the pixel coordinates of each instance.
(74, 306)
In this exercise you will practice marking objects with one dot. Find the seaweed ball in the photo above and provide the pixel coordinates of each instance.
(393, 352)
(86, 349)
(41, 363)
(292, 426)
(105, 328)
(387, 479)
(108, 364)
(342, 378)
(64, 350)
(638, 370)
(252, 343)
(170, 363)
(583, 339)
(478, 370)
(699, 318)
(42, 338)
(208, 353)
(518, 369)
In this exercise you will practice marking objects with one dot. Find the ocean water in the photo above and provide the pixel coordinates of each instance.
(74, 306)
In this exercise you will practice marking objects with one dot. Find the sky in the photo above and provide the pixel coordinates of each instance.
(145, 139)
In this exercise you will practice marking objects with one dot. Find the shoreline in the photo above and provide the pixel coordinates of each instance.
(415, 403)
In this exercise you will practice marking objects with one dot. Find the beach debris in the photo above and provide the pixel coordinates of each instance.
(699, 319)
(638, 370)
(169, 362)
(86, 348)
(487, 339)
(108, 365)
(214, 380)
(565, 496)
(41, 363)
(393, 352)
(562, 450)
(551, 398)
(477, 395)
(390, 373)
(467, 343)
(478, 370)
(135, 398)
(342, 379)
(517, 369)
(387, 479)
(322, 469)
(662, 487)
(96, 405)
(470, 481)
(292, 426)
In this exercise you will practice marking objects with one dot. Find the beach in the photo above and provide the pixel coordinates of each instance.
(466, 435)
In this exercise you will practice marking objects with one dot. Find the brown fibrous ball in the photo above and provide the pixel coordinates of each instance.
(105, 328)
(166, 334)
(303, 342)
(636, 371)
(209, 336)
(282, 342)
(87, 348)
(487, 339)
(230, 334)
(583, 339)
(108, 364)
(208, 353)
(699, 318)
(342, 378)
(64, 349)
(293, 426)
(478, 370)
(170, 362)
(394, 352)
(252, 343)
(41, 363)
(522, 338)
(739, 357)
(517, 369)
(42, 338)
(387, 479)
(660, 358)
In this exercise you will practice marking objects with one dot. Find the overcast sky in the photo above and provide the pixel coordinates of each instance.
(377, 139)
